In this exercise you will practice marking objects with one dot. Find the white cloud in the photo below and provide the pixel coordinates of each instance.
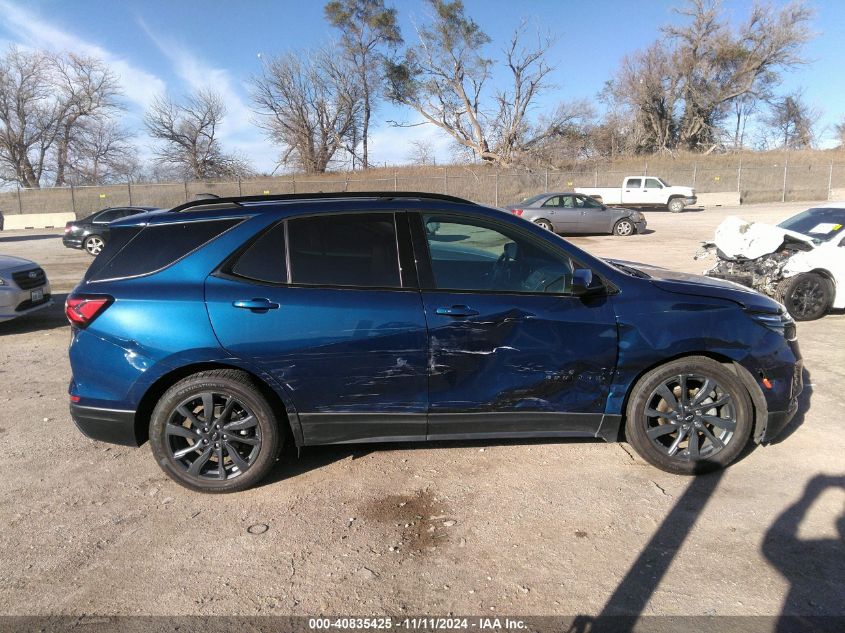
(237, 131)
(393, 145)
(139, 86)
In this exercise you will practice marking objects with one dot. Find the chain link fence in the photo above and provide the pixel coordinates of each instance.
(778, 183)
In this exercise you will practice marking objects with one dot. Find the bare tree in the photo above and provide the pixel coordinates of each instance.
(309, 105)
(444, 79)
(29, 115)
(188, 133)
(367, 27)
(421, 153)
(102, 153)
(791, 121)
(87, 93)
(839, 129)
(681, 90)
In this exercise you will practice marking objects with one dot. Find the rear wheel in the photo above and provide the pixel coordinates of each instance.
(689, 416)
(623, 227)
(675, 205)
(807, 297)
(215, 432)
(544, 224)
(93, 244)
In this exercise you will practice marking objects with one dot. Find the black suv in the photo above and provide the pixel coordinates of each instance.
(92, 233)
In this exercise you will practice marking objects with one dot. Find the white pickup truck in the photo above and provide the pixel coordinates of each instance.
(643, 191)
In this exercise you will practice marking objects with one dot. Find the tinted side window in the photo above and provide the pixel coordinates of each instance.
(469, 254)
(264, 259)
(652, 183)
(159, 246)
(108, 216)
(554, 201)
(344, 250)
(634, 183)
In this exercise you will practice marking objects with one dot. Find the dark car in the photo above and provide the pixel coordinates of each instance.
(92, 233)
(219, 330)
(577, 213)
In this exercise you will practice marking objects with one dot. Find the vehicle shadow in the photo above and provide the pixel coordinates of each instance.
(623, 609)
(27, 238)
(294, 462)
(47, 319)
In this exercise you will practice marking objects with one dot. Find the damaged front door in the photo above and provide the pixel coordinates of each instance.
(512, 353)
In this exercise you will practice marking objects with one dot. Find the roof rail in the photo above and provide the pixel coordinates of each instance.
(380, 195)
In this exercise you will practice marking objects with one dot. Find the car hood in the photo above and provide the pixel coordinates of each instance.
(737, 238)
(701, 286)
(8, 261)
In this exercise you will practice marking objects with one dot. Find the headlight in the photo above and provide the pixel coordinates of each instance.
(2, 282)
(781, 323)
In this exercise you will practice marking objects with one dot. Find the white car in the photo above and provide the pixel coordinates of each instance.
(23, 287)
(800, 262)
(643, 191)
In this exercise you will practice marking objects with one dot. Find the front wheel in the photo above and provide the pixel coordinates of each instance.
(689, 416)
(93, 244)
(676, 205)
(807, 297)
(215, 432)
(544, 224)
(623, 227)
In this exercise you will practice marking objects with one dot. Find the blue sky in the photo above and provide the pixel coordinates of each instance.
(174, 46)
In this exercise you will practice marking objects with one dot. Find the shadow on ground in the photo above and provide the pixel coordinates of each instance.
(27, 238)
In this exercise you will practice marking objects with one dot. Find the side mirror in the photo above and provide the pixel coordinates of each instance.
(582, 278)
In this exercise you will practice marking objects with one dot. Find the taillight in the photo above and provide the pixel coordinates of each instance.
(517, 211)
(80, 310)
(67, 229)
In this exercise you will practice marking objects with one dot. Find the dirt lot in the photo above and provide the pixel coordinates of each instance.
(557, 527)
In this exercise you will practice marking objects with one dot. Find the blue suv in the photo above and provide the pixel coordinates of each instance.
(221, 328)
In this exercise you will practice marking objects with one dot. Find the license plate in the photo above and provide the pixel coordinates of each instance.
(37, 295)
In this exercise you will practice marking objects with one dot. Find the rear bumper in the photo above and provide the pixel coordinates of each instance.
(72, 241)
(115, 426)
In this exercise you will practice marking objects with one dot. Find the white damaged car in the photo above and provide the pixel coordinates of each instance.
(799, 262)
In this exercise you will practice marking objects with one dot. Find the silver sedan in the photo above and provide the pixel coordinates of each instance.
(577, 213)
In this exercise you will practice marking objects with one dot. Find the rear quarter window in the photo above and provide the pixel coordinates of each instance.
(156, 247)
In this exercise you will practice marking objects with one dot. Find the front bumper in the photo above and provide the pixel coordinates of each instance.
(777, 421)
(691, 200)
(640, 226)
(115, 426)
(15, 302)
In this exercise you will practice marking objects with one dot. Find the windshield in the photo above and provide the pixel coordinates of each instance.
(534, 199)
(820, 224)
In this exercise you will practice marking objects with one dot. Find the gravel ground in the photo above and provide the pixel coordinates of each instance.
(545, 527)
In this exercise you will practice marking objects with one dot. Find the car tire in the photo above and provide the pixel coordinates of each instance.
(544, 224)
(675, 205)
(624, 227)
(807, 297)
(242, 433)
(93, 244)
(716, 411)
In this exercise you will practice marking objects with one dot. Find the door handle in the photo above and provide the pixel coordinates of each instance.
(256, 305)
(457, 311)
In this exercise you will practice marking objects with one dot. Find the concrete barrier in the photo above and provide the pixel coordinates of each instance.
(837, 194)
(718, 199)
(37, 220)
